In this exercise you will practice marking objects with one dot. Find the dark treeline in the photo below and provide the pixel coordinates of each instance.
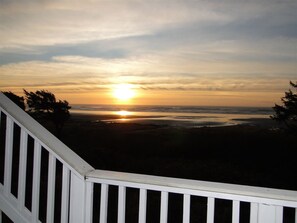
(43, 106)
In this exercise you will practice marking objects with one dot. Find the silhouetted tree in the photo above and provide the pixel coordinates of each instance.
(18, 100)
(43, 105)
(287, 113)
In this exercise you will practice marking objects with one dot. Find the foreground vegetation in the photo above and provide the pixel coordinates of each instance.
(248, 155)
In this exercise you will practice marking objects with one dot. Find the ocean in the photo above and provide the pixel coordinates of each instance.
(186, 116)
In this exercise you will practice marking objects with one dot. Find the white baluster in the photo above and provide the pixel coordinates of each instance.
(164, 207)
(65, 195)
(22, 169)
(210, 209)
(235, 211)
(186, 208)
(142, 205)
(51, 189)
(36, 181)
(103, 203)
(8, 156)
(122, 204)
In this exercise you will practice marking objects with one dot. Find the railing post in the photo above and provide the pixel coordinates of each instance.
(254, 213)
(89, 189)
(270, 214)
(76, 214)
(80, 200)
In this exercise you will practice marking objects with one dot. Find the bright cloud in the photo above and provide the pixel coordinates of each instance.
(31, 23)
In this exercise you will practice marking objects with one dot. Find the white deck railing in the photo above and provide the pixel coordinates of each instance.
(42, 180)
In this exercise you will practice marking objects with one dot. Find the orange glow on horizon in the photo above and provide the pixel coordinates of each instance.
(159, 97)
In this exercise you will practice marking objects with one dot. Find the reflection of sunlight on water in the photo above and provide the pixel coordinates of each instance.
(181, 119)
(123, 113)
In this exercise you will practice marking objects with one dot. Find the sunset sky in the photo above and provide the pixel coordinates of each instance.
(169, 52)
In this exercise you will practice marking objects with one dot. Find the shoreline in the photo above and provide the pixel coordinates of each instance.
(183, 121)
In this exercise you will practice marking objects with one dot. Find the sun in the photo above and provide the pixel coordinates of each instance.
(124, 92)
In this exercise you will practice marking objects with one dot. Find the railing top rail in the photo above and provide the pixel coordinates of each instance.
(44, 136)
(195, 185)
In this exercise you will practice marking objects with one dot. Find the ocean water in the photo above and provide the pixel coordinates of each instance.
(187, 116)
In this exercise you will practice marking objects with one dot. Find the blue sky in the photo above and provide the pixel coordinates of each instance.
(202, 52)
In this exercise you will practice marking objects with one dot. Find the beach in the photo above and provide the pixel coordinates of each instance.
(176, 116)
(252, 153)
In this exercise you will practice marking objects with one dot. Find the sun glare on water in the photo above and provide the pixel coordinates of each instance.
(124, 92)
(123, 113)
